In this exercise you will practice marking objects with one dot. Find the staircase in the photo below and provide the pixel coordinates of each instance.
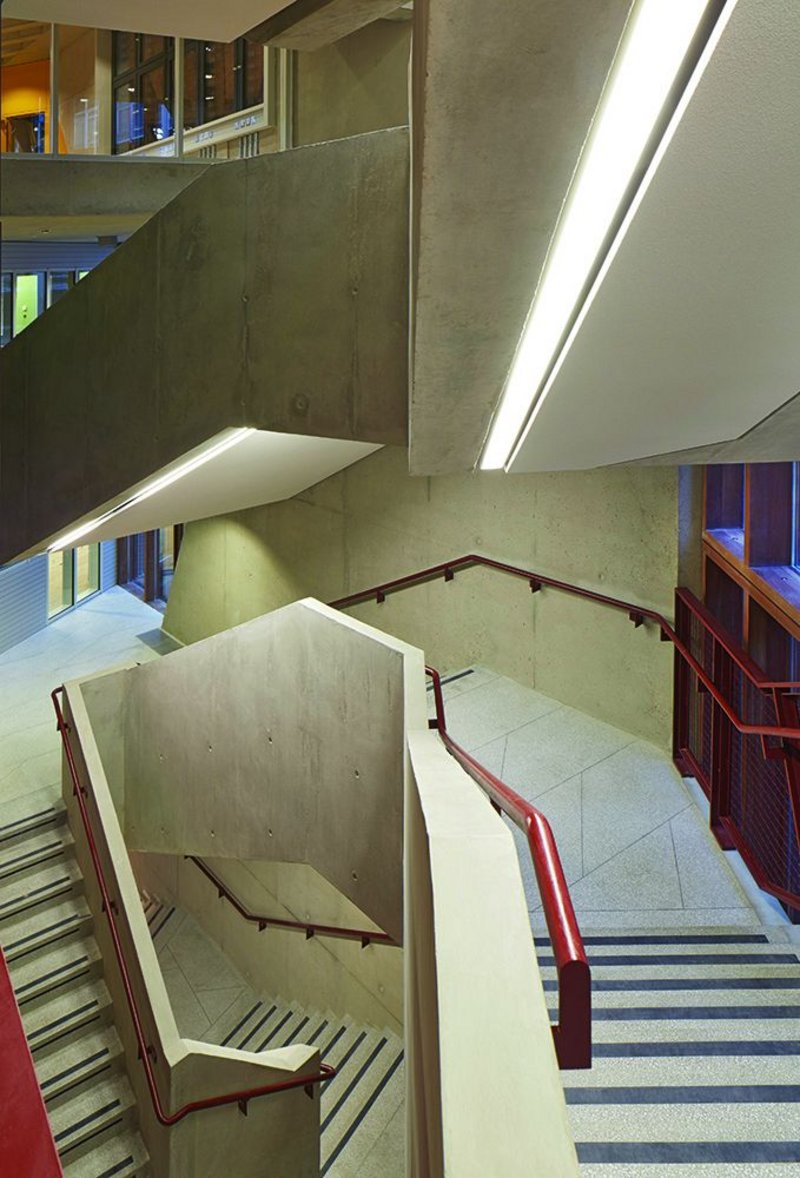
(56, 971)
(696, 1058)
(364, 1098)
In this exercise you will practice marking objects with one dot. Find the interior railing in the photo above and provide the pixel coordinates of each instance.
(146, 1050)
(310, 928)
(763, 726)
(572, 1034)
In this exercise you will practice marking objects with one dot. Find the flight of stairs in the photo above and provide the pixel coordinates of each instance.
(368, 1089)
(696, 1058)
(56, 971)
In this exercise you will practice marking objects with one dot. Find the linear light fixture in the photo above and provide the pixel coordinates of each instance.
(656, 39)
(213, 450)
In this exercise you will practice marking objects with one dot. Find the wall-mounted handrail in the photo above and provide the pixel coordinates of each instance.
(310, 928)
(636, 613)
(572, 1034)
(146, 1050)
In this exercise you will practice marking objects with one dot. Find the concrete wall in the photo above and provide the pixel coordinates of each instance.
(273, 293)
(615, 530)
(280, 740)
(357, 84)
(484, 1091)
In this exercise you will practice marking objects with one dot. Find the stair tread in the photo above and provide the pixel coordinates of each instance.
(39, 846)
(124, 1155)
(34, 928)
(36, 888)
(685, 1122)
(71, 1063)
(20, 827)
(35, 974)
(91, 1111)
(64, 1010)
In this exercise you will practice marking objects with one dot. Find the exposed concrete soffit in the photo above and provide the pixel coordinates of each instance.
(312, 24)
(503, 96)
(176, 18)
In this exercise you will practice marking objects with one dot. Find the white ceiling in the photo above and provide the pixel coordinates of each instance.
(172, 18)
(263, 468)
(693, 335)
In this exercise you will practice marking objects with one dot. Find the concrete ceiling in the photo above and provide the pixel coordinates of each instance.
(503, 98)
(692, 338)
(177, 18)
(263, 468)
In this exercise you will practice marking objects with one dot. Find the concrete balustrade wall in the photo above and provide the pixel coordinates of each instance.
(486, 1092)
(614, 530)
(283, 1126)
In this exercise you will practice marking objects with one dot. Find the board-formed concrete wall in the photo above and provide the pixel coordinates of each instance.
(272, 292)
(614, 530)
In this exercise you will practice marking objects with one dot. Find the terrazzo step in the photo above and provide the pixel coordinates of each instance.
(19, 829)
(352, 1057)
(66, 1015)
(675, 1071)
(751, 1165)
(49, 882)
(364, 1109)
(123, 1156)
(259, 1022)
(716, 1121)
(77, 1062)
(35, 930)
(92, 1116)
(34, 977)
(779, 1024)
(40, 846)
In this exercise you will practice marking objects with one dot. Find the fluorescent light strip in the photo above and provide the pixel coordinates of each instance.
(655, 43)
(172, 476)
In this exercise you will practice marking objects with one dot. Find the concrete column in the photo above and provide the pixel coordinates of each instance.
(285, 99)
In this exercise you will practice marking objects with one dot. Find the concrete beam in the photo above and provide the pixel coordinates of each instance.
(86, 196)
(502, 100)
(311, 24)
(273, 293)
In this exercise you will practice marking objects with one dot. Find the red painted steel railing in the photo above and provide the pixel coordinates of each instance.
(310, 928)
(147, 1053)
(744, 730)
(752, 781)
(572, 1034)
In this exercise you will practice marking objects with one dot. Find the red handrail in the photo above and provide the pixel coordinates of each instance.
(572, 1034)
(637, 614)
(310, 928)
(147, 1053)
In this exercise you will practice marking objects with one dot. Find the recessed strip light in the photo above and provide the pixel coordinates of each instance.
(158, 484)
(653, 48)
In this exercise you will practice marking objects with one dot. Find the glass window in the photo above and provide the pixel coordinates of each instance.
(27, 304)
(191, 84)
(124, 52)
(219, 77)
(155, 105)
(166, 561)
(150, 47)
(87, 570)
(59, 282)
(60, 582)
(128, 118)
(253, 73)
(5, 309)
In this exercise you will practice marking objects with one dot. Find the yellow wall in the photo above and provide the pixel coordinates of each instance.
(25, 90)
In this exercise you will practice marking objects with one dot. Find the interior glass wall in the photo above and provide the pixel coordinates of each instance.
(73, 575)
(24, 85)
(28, 299)
(78, 110)
(220, 79)
(142, 89)
(5, 308)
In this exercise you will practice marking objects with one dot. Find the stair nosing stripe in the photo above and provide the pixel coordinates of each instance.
(344, 1061)
(75, 1067)
(698, 1013)
(366, 1107)
(241, 1046)
(47, 929)
(317, 1033)
(38, 891)
(296, 1031)
(240, 1024)
(289, 1014)
(31, 818)
(646, 1152)
(684, 1094)
(362, 1071)
(64, 1018)
(56, 846)
(91, 1136)
(51, 974)
(337, 1036)
(128, 1161)
(156, 931)
(87, 1120)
